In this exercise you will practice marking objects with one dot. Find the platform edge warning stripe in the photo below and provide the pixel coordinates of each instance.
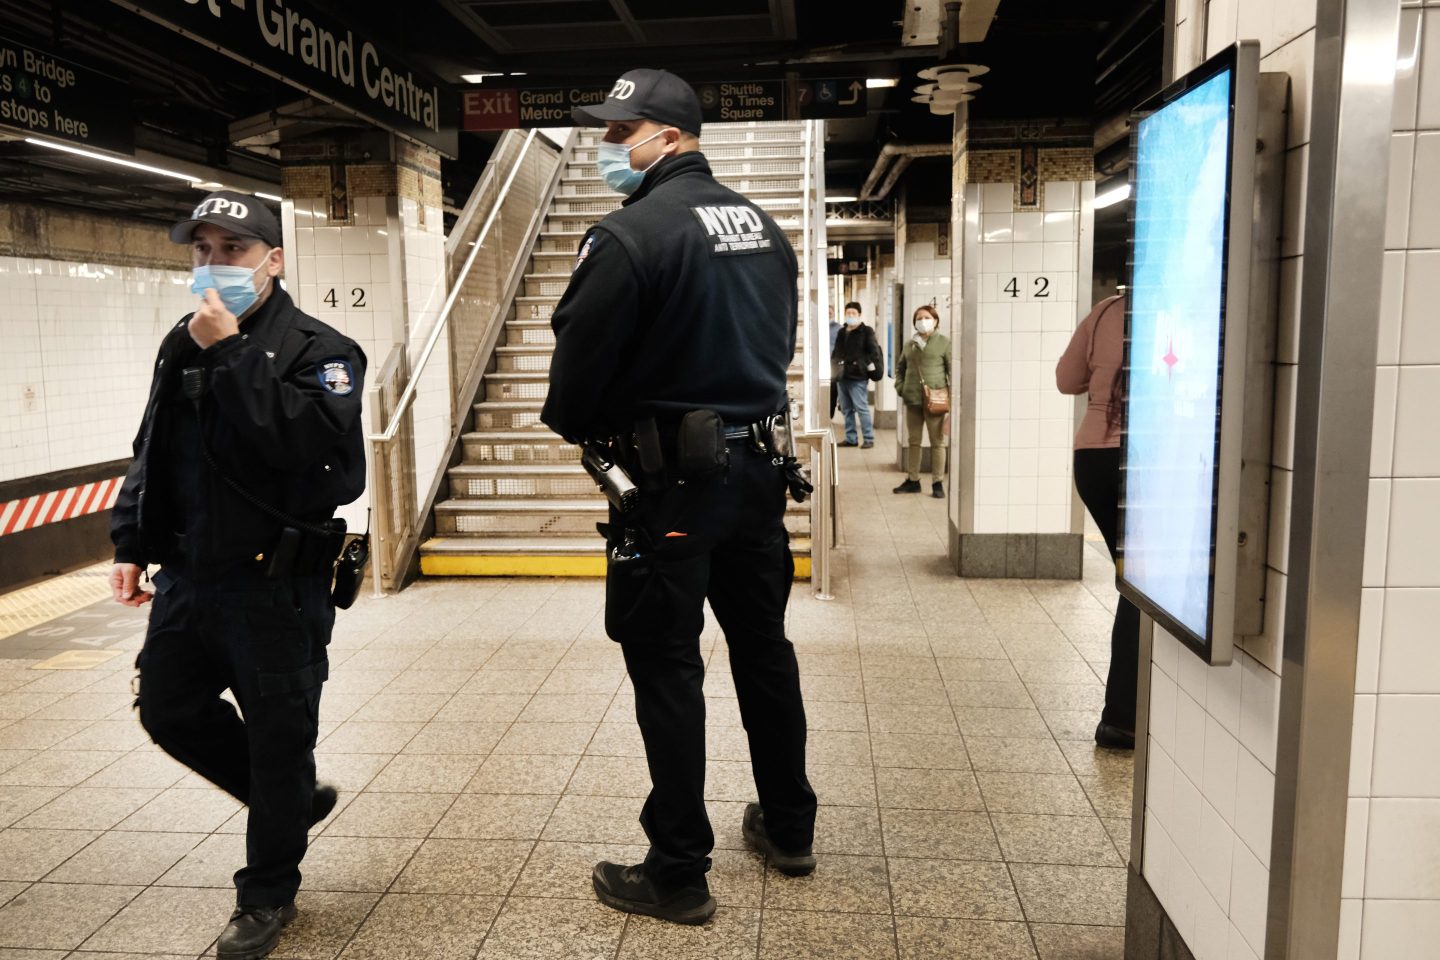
(57, 506)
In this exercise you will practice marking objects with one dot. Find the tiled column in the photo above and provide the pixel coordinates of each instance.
(364, 227)
(1028, 245)
(1391, 905)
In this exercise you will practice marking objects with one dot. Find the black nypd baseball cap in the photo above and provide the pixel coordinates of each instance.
(646, 94)
(233, 211)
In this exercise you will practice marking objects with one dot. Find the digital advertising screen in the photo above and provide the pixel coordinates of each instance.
(1175, 354)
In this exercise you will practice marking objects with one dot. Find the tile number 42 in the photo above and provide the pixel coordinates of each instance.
(1039, 288)
(357, 297)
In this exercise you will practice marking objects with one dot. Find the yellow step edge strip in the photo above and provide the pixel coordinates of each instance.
(520, 565)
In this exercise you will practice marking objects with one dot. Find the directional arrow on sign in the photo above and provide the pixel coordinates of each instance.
(855, 88)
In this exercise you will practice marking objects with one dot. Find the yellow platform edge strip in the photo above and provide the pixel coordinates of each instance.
(514, 565)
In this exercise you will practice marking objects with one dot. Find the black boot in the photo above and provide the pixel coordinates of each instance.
(630, 890)
(909, 486)
(322, 802)
(253, 932)
(795, 863)
(937, 490)
(1116, 738)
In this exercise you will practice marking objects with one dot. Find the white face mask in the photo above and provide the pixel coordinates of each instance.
(924, 325)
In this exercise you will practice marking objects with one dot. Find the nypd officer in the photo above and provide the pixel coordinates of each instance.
(672, 343)
(250, 439)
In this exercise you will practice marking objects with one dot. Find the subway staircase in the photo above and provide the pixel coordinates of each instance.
(519, 503)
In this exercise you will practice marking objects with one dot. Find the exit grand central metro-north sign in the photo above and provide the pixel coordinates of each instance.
(721, 101)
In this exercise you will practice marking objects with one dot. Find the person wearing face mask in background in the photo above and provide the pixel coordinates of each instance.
(925, 362)
(672, 343)
(250, 439)
(857, 360)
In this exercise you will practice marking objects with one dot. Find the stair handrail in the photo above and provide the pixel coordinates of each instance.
(408, 396)
(816, 362)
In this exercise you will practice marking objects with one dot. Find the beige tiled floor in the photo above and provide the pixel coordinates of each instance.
(482, 735)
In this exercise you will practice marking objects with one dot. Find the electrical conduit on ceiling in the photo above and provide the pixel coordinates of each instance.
(906, 154)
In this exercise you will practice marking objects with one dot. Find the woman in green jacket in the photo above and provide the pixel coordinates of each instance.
(925, 362)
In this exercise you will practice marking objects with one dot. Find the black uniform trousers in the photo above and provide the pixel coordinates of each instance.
(723, 539)
(264, 640)
(1097, 480)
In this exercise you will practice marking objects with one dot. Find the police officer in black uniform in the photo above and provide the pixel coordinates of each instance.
(672, 344)
(250, 439)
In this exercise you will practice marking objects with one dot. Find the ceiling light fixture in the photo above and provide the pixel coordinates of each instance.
(950, 84)
(66, 148)
(969, 69)
(840, 199)
(479, 77)
(1112, 196)
(880, 83)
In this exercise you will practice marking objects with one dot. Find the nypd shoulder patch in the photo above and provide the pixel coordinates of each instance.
(336, 376)
(585, 249)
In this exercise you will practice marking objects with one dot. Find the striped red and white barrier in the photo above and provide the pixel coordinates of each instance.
(27, 513)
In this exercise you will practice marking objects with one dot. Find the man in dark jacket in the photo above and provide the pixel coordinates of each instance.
(250, 439)
(682, 309)
(857, 360)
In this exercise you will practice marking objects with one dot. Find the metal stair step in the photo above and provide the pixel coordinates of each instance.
(524, 358)
(516, 386)
(541, 516)
(529, 333)
(497, 415)
(485, 480)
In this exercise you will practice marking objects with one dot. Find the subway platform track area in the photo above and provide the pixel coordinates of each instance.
(482, 735)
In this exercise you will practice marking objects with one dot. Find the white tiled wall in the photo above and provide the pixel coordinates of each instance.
(378, 280)
(1210, 796)
(1392, 885)
(1213, 730)
(1028, 307)
(77, 346)
(425, 296)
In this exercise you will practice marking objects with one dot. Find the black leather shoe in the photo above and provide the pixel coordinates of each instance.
(937, 490)
(253, 932)
(909, 486)
(322, 801)
(1116, 738)
(847, 443)
(791, 863)
(630, 890)
(867, 444)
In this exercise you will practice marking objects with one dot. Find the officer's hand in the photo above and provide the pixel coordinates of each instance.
(212, 322)
(125, 585)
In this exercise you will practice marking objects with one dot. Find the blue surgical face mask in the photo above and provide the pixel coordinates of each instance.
(235, 285)
(613, 162)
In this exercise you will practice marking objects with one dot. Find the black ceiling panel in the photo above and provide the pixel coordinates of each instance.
(559, 13)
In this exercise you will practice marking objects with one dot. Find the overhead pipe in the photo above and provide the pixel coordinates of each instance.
(949, 28)
(908, 152)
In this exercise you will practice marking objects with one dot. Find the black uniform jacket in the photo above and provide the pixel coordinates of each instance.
(280, 414)
(855, 350)
(682, 299)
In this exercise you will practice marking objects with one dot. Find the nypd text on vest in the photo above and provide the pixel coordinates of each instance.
(734, 229)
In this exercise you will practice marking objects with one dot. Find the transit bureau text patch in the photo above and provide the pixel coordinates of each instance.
(733, 230)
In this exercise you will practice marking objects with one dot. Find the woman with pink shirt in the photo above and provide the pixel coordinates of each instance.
(1093, 364)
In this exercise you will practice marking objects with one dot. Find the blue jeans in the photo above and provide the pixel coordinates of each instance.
(855, 400)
